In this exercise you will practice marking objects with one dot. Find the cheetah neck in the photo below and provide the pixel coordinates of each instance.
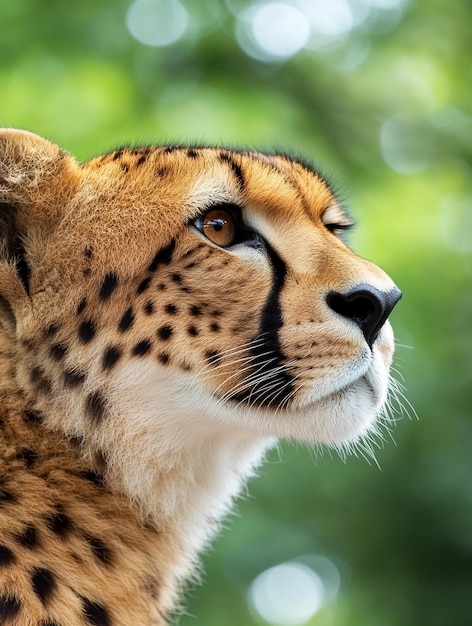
(181, 466)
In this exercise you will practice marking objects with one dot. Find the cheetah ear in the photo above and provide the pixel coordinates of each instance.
(32, 189)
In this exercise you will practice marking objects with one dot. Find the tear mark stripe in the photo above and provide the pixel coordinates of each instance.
(267, 353)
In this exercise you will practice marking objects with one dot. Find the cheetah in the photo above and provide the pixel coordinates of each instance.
(167, 314)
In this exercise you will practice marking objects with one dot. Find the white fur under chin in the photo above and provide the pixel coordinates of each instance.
(180, 465)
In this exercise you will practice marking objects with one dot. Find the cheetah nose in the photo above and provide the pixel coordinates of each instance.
(365, 305)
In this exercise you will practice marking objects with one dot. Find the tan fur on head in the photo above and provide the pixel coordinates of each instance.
(168, 313)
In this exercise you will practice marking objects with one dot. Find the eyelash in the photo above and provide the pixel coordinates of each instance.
(340, 231)
(333, 228)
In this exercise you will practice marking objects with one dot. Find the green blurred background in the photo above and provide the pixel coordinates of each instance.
(378, 94)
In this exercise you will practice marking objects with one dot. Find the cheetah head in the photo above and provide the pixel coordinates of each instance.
(165, 297)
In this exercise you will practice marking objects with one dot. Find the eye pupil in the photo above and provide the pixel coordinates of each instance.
(218, 225)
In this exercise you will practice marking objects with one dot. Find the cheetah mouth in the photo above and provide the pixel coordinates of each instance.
(276, 388)
(361, 386)
(335, 417)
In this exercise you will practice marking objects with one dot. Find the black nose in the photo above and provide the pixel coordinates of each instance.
(365, 305)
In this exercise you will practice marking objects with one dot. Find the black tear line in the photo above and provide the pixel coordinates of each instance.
(273, 383)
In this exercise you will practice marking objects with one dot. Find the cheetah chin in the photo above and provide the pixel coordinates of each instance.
(167, 313)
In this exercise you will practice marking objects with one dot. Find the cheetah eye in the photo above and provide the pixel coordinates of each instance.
(219, 226)
(224, 226)
(338, 229)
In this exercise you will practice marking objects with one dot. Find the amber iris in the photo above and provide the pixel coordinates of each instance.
(218, 225)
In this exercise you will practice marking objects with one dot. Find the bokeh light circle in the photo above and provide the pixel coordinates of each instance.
(288, 594)
(157, 22)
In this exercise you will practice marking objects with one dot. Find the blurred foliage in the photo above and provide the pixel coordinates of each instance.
(385, 110)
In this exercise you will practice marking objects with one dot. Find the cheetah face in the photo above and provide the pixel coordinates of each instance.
(190, 290)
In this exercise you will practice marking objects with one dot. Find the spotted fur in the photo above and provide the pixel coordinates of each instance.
(145, 369)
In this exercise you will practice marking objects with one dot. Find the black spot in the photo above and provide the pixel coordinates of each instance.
(94, 477)
(162, 286)
(36, 374)
(177, 278)
(169, 149)
(32, 417)
(76, 440)
(27, 343)
(192, 250)
(213, 357)
(163, 257)
(95, 614)
(95, 406)
(161, 172)
(87, 331)
(51, 329)
(164, 358)
(171, 309)
(101, 552)
(126, 320)
(125, 168)
(141, 348)
(143, 285)
(86, 271)
(58, 351)
(141, 160)
(100, 461)
(22, 266)
(6, 556)
(109, 285)
(6, 496)
(192, 331)
(49, 623)
(81, 306)
(88, 252)
(73, 379)
(28, 537)
(165, 332)
(111, 357)
(237, 171)
(60, 524)
(196, 310)
(149, 308)
(9, 608)
(216, 313)
(43, 583)
(215, 327)
(28, 456)
(39, 379)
